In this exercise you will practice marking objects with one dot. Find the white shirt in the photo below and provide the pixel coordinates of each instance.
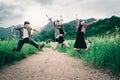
(25, 33)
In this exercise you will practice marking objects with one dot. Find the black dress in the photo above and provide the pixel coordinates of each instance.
(80, 41)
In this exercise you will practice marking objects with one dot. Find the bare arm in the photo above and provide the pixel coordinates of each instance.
(50, 19)
(89, 24)
(77, 24)
(14, 28)
(61, 20)
(36, 30)
(13, 32)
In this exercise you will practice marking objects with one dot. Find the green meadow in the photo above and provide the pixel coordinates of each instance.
(104, 51)
(9, 57)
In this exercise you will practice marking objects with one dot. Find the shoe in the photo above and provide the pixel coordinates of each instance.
(41, 46)
(62, 45)
(13, 50)
(79, 51)
(90, 40)
(48, 41)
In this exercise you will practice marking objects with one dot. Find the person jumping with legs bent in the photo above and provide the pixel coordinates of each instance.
(80, 41)
(59, 33)
(24, 35)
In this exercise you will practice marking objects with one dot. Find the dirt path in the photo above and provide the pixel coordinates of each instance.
(51, 65)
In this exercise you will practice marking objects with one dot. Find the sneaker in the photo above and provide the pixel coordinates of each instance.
(48, 41)
(90, 40)
(41, 46)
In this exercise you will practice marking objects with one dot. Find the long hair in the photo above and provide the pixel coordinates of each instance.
(55, 22)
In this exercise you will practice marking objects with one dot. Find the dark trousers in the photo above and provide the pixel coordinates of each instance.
(26, 40)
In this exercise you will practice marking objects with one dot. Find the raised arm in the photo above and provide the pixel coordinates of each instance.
(77, 24)
(89, 24)
(76, 16)
(14, 28)
(50, 19)
(13, 32)
(61, 20)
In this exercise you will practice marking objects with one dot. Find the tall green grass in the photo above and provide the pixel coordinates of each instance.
(8, 57)
(104, 51)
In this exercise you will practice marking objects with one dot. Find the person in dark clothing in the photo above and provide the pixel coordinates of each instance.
(59, 34)
(24, 36)
(80, 41)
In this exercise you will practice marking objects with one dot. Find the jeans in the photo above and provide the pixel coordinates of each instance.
(21, 43)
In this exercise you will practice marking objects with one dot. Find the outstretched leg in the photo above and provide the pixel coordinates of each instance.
(65, 43)
(89, 44)
(35, 44)
(19, 46)
(54, 45)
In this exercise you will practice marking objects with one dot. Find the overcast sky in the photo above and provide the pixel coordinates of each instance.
(14, 12)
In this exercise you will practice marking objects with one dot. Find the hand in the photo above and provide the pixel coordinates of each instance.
(48, 17)
(57, 36)
(76, 16)
(60, 17)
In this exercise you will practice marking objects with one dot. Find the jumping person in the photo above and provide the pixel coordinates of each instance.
(80, 41)
(24, 36)
(59, 33)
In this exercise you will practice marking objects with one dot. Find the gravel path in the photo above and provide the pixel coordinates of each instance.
(51, 65)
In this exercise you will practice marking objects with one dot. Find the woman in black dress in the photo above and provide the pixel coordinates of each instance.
(80, 41)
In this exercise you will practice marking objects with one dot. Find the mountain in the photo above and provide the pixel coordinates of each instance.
(104, 26)
(101, 27)
(5, 33)
(48, 31)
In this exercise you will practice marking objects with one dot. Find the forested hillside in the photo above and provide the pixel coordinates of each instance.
(103, 26)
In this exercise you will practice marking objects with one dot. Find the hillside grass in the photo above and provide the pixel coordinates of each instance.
(9, 57)
(104, 51)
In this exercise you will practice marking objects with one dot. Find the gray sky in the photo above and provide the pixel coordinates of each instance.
(14, 12)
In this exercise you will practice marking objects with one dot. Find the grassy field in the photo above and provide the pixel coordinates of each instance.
(104, 51)
(9, 57)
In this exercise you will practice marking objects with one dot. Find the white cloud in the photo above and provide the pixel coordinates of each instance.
(35, 10)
